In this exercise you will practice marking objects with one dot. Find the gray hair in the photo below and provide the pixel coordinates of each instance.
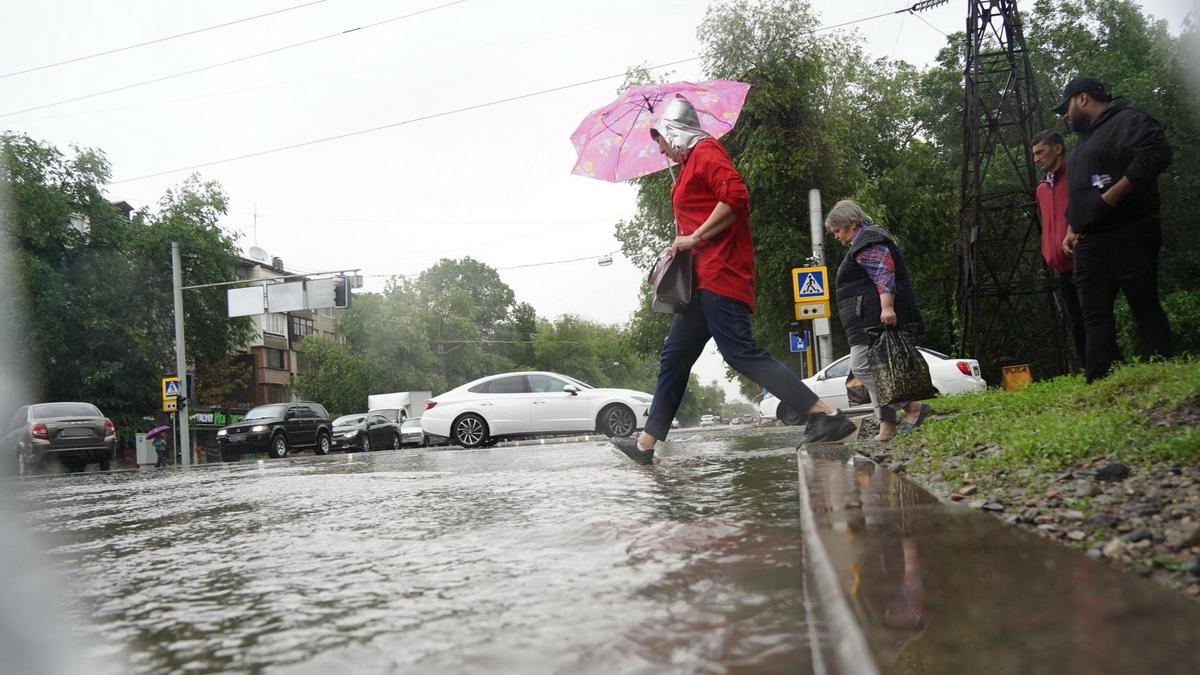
(845, 213)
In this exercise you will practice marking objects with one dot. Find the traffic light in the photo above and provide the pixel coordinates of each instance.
(341, 292)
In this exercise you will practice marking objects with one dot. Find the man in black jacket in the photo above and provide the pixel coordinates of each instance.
(1113, 208)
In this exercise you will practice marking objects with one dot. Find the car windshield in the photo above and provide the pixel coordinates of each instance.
(581, 383)
(48, 410)
(347, 420)
(266, 412)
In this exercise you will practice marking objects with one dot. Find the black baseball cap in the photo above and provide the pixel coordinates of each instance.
(1077, 86)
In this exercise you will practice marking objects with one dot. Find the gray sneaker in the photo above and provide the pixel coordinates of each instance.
(629, 447)
(822, 428)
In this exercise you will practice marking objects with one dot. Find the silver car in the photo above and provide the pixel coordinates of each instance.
(412, 434)
(71, 433)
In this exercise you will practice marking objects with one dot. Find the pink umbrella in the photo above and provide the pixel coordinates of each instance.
(156, 431)
(614, 143)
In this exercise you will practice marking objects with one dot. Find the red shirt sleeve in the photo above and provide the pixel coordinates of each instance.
(715, 169)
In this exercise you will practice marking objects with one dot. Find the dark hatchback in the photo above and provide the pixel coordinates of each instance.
(73, 434)
(277, 429)
(366, 432)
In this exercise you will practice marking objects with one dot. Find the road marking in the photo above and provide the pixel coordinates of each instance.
(853, 654)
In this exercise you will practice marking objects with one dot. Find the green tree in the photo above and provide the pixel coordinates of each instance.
(98, 287)
(337, 376)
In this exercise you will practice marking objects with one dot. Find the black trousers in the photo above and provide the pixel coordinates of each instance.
(1073, 314)
(1123, 258)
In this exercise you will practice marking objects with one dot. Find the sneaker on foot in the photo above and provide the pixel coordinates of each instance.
(629, 447)
(822, 428)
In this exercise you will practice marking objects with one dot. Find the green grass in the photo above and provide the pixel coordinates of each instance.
(1053, 424)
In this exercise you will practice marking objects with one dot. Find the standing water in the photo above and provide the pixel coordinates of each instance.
(555, 558)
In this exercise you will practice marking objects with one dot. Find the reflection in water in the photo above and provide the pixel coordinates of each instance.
(547, 559)
(942, 589)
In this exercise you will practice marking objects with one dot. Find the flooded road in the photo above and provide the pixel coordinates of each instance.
(556, 558)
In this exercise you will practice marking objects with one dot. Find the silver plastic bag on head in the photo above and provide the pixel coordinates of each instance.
(677, 122)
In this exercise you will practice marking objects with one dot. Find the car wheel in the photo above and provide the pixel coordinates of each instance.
(784, 413)
(469, 431)
(396, 444)
(425, 441)
(617, 420)
(324, 444)
(106, 464)
(227, 456)
(364, 442)
(279, 447)
(74, 466)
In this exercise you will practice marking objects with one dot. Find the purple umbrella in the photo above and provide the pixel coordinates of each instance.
(157, 430)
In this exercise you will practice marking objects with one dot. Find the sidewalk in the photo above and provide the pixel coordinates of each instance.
(942, 588)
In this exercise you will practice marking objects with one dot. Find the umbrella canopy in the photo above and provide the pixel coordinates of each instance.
(614, 143)
(157, 430)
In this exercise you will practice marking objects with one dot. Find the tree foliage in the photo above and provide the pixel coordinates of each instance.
(97, 287)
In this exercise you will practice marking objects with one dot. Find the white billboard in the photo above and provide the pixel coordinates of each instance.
(287, 297)
(245, 301)
(320, 293)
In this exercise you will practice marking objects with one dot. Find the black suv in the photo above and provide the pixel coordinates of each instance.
(277, 429)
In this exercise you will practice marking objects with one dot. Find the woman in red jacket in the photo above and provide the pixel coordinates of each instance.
(712, 214)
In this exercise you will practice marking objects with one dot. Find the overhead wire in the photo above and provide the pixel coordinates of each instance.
(232, 61)
(454, 111)
(155, 41)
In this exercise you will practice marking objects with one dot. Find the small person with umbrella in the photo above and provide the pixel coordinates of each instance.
(160, 445)
(711, 205)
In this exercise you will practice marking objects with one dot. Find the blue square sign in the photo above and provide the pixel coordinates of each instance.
(798, 342)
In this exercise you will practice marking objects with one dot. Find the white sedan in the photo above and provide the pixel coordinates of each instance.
(514, 405)
(949, 375)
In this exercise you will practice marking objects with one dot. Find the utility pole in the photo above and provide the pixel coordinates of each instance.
(822, 338)
(1006, 301)
(185, 439)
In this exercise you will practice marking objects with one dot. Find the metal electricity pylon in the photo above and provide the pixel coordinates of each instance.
(1007, 309)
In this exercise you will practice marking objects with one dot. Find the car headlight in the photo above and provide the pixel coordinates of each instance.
(259, 428)
(222, 432)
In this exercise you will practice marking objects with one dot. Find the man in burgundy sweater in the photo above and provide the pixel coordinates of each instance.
(1049, 152)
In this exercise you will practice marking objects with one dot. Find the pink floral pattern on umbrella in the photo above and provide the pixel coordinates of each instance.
(614, 143)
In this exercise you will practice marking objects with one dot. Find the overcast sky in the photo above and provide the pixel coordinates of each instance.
(492, 183)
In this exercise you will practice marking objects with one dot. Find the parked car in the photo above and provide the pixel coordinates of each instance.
(949, 375)
(278, 429)
(366, 432)
(412, 434)
(708, 420)
(72, 433)
(747, 418)
(515, 405)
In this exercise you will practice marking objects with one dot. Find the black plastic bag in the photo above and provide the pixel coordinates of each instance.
(672, 279)
(901, 373)
(856, 391)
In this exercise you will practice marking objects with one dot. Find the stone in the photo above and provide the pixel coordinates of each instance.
(1142, 545)
(1147, 510)
(1102, 520)
(993, 506)
(1029, 515)
(1076, 535)
(1048, 528)
(976, 503)
(1112, 473)
(955, 497)
(1087, 488)
(1095, 553)
(1183, 537)
(968, 490)
(1140, 534)
(1043, 518)
(1191, 566)
(1072, 515)
(1114, 548)
(1124, 527)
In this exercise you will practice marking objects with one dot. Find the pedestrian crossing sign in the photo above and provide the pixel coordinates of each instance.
(810, 283)
(170, 394)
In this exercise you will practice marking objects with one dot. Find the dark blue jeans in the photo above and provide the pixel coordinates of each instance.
(728, 323)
